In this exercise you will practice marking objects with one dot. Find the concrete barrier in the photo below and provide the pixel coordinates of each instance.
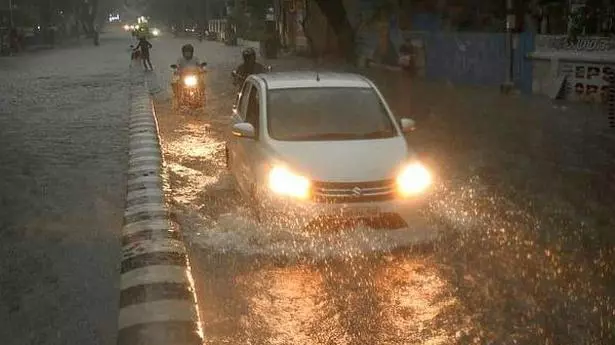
(157, 301)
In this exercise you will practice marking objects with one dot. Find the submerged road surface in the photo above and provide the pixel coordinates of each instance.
(523, 259)
(63, 158)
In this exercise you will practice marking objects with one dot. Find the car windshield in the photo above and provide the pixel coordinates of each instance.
(345, 113)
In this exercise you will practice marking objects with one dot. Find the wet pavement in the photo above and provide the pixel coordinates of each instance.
(523, 207)
(63, 158)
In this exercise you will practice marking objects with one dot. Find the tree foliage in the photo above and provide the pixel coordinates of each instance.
(88, 13)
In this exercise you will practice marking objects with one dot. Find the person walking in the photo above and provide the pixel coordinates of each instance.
(145, 46)
(13, 41)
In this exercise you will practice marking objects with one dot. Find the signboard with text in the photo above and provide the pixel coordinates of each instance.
(587, 81)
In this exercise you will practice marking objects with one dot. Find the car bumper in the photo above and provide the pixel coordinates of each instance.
(301, 213)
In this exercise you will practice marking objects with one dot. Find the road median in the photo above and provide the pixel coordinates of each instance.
(157, 300)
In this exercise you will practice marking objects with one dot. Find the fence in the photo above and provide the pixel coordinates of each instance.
(218, 26)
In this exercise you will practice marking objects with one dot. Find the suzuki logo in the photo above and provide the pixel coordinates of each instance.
(356, 191)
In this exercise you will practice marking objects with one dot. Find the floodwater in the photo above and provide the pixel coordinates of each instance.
(517, 261)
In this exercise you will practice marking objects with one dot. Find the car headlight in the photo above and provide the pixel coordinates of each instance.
(190, 81)
(155, 32)
(413, 180)
(284, 182)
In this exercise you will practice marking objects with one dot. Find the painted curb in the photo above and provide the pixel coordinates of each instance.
(157, 299)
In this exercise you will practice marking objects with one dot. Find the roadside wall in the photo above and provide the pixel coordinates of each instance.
(580, 68)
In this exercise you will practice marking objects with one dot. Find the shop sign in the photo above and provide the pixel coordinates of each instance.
(588, 82)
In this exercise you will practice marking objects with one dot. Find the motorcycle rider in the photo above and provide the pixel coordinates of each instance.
(249, 65)
(186, 61)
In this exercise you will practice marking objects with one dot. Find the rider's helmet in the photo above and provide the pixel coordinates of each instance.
(187, 51)
(249, 55)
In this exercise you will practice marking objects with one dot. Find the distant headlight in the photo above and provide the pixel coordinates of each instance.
(156, 32)
(413, 180)
(190, 81)
(126, 27)
(284, 182)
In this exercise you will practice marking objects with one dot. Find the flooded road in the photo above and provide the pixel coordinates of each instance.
(509, 267)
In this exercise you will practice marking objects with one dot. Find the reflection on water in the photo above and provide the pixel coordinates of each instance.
(290, 303)
(416, 296)
(367, 301)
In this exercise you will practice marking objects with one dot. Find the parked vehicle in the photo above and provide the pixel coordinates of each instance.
(308, 146)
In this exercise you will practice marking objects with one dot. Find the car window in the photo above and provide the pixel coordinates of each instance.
(243, 100)
(327, 114)
(253, 109)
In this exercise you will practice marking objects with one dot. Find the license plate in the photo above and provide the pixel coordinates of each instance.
(360, 212)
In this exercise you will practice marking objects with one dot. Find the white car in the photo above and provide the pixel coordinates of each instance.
(308, 146)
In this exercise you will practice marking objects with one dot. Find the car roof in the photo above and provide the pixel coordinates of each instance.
(309, 79)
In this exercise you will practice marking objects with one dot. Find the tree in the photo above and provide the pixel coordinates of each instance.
(337, 17)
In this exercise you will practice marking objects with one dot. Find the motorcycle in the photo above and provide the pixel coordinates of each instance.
(238, 79)
(190, 87)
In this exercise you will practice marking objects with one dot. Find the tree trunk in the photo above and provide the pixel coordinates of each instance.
(336, 15)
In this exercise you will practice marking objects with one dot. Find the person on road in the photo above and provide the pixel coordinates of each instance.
(249, 65)
(186, 61)
(14, 41)
(145, 46)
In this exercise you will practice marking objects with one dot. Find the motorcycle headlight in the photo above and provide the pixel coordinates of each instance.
(156, 32)
(190, 80)
(284, 182)
(414, 179)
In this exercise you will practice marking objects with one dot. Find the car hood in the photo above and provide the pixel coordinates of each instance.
(344, 161)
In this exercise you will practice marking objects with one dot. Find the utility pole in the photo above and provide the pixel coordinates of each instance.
(510, 49)
(11, 13)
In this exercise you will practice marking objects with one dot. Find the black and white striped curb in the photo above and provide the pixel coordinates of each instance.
(157, 301)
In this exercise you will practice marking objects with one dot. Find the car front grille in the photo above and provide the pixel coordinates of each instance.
(349, 192)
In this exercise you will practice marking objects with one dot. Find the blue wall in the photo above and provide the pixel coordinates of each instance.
(466, 58)
(476, 58)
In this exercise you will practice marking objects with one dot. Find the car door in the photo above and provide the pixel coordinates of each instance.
(242, 159)
(249, 147)
(238, 116)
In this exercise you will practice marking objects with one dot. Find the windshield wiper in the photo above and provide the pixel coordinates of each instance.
(376, 135)
(342, 136)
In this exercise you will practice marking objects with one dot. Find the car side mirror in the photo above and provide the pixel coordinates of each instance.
(407, 125)
(174, 66)
(244, 130)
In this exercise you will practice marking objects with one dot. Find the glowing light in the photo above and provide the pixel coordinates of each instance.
(155, 32)
(190, 81)
(282, 181)
(413, 180)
